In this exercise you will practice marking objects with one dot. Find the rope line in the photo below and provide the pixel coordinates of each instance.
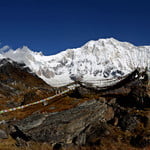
(40, 101)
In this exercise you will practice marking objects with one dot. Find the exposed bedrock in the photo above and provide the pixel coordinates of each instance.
(71, 126)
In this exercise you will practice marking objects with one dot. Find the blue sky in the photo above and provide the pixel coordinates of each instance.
(51, 26)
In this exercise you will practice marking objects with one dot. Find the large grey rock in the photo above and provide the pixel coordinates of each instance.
(70, 126)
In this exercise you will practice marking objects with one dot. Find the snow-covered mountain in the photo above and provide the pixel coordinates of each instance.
(96, 62)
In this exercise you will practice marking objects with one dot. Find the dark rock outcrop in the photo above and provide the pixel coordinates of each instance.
(78, 125)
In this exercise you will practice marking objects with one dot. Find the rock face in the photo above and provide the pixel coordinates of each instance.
(76, 125)
(3, 134)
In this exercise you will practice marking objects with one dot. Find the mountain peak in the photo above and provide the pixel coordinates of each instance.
(106, 42)
(96, 61)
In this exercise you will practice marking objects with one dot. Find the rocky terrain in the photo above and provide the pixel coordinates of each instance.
(114, 118)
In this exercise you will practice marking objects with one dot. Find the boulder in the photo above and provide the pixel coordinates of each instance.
(75, 125)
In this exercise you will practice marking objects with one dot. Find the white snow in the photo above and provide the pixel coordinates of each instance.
(1, 56)
(95, 62)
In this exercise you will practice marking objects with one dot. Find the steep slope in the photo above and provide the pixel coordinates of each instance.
(12, 72)
(19, 85)
(100, 62)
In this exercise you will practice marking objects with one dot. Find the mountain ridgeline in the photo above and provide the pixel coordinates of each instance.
(101, 60)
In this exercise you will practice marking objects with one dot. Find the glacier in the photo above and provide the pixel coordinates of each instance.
(100, 63)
